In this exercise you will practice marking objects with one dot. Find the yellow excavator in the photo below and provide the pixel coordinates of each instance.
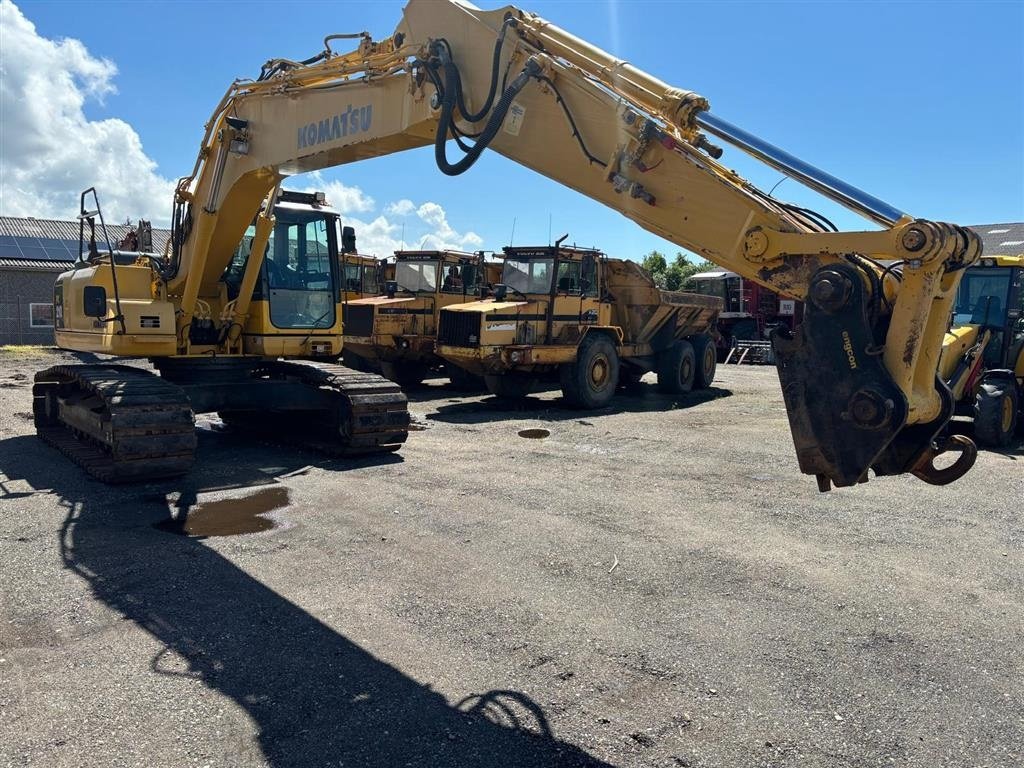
(859, 377)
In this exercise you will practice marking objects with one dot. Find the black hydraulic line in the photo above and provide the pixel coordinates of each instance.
(530, 70)
(575, 130)
(492, 90)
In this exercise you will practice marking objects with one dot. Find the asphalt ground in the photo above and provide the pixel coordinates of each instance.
(654, 584)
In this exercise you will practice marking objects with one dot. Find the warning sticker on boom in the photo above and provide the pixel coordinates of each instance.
(514, 119)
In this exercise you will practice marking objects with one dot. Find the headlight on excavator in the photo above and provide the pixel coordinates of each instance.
(516, 356)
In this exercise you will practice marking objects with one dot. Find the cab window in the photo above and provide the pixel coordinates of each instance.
(297, 269)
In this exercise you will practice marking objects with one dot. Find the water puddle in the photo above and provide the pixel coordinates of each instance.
(536, 433)
(228, 517)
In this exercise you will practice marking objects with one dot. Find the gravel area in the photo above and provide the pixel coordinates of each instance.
(654, 584)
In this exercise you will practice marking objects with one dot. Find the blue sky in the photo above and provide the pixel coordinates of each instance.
(920, 104)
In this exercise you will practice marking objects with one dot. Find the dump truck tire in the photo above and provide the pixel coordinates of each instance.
(463, 380)
(509, 387)
(706, 357)
(404, 374)
(677, 369)
(591, 381)
(996, 409)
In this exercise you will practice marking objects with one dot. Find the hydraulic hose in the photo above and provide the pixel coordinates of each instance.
(452, 95)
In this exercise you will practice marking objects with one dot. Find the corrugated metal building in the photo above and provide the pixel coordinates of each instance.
(32, 253)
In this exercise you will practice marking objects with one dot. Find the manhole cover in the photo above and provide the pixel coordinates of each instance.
(535, 434)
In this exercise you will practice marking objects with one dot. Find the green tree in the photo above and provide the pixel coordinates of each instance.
(681, 270)
(654, 264)
(672, 277)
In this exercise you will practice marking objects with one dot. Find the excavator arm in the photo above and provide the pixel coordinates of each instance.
(859, 376)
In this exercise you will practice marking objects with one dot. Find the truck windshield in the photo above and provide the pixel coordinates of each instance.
(533, 276)
(982, 297)
(352, 280)
(416, 276)
(370, 279)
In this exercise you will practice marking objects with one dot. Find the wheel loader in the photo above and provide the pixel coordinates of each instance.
(983, 361)
(591, 322)
(859, 377)
(396, 331)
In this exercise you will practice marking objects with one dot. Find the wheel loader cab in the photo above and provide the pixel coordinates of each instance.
(983, 355)
(991, 297)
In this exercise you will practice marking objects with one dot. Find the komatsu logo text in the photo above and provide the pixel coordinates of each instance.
(352, 121)
(848, 349)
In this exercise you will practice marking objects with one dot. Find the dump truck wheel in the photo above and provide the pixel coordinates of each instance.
(706, 355)
(995, 413)
(677, 369)
(590, 382)
(510, 386)
(407, 374)
(463, 380)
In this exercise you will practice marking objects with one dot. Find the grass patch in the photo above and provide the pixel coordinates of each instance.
(24, 350)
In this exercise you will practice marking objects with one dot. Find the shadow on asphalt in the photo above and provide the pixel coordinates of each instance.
(316, 697)
(490, 408)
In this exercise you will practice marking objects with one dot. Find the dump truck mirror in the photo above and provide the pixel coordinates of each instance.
(348, 240)
(391, 288)
(500, 291)
(94, 301)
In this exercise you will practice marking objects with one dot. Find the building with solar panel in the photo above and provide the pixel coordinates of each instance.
(32, 253)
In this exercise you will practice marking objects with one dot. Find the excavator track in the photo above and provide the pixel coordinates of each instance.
(371, 413)
(120, 424)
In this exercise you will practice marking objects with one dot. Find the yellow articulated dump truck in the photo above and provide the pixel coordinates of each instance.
(590, 321)
(397, 330)
(362, 276)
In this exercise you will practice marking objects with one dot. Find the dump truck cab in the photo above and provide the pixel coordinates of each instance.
(361, 276)
(397, 330)
(983, 359)
(575, 315)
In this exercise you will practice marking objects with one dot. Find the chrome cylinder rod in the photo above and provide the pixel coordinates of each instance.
(835, 189)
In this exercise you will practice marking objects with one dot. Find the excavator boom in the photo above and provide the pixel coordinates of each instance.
(859, 377)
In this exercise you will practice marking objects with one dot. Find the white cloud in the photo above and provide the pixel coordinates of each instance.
(49, 150)
(444, 236)
(401, 207)
(382, 235)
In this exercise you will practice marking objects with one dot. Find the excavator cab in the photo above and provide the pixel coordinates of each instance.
(299, 284)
